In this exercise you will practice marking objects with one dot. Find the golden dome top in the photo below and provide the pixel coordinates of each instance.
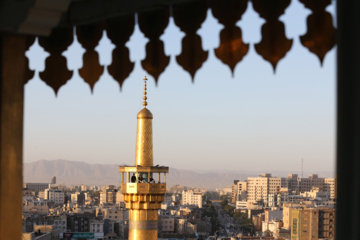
(145, 114)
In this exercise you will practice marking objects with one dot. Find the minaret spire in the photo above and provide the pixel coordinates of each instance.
(143, 193)
(145, 98)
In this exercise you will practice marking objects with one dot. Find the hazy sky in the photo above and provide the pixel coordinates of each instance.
(256, 120)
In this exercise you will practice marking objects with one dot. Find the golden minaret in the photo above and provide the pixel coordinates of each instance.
(143, 191)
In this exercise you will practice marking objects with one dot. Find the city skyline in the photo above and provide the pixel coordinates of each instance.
(257, 120)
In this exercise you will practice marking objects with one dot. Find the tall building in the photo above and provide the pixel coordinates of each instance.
(191, 197)
(108, 194)
(259, 188)
(234, 191)
(265, 186)
(142, 196)
(238, 191)
(54, 195)
(312, 224)
(53, 180)
(78, 197)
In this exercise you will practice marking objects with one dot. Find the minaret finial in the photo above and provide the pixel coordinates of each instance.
(145, 98)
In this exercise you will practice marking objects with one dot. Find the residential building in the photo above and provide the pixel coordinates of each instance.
(257, 221)
(53, 180)
(114, 213)
(54, 195)
(311, 223)
(192, 197)
(234, 191)
(238, 188)
(61, 223)
(96, 226)
(315, 193)
(78, 223)
(35, 207)
(167, 224)
(260, 188)
(78, 198)
(36, 186)
(241, 205)
(108, 194)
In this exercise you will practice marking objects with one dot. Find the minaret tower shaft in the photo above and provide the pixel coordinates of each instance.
(144, 143)
(143, 193)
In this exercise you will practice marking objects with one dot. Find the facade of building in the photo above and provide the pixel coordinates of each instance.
(260, 188)
(35, 207)
(257, 221)
(312, 223)
(234, 191)
(241, 205)
(78, 198)
(36, 186)
(54, 195)
(78, 223)
(108, 194)
(330, 187)
(167, 224)
(53, 180)
(114, 213)
(96, 226)
(239, 189)
(61, 224)
(191, 197)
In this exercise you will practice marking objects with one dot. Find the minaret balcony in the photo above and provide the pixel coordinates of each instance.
(143, 188)
(143, 179)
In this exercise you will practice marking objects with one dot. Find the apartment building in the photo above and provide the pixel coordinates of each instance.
(54, 195)
(312, 224)
(260, 188)
(329, 186)
(296, 184)
(78, 198)
(234, 191)
(238, 188)
(96, 226)
(115, 213)
(35, 207)
(167, 224)
(108, 194)
(192, 197)
(36, 186)
(61, 223)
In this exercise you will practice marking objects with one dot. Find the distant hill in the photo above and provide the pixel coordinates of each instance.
(72, 172)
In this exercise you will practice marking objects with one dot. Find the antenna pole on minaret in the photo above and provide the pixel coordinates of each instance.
(145, 98)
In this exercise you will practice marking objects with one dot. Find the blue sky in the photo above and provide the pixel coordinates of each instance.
(256, 120)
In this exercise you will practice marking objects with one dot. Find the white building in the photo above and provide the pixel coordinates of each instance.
(96, 226)
(190, 197)
(115, 213)
(260, 188)
(54, 195)
(241, 205)
(330, 187)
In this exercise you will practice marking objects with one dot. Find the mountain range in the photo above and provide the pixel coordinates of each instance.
(74, 173)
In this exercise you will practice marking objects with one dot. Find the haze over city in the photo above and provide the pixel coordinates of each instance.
(257, 120)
